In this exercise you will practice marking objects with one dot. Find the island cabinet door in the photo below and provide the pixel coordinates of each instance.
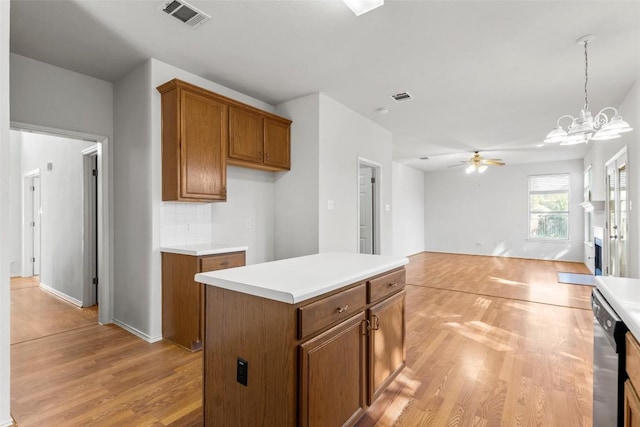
(386, 343)
(333, 375)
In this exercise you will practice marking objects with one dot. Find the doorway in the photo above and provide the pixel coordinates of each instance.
(368, 207)
(90, 226)
(94, 217)
(32, 224)
(617, 211)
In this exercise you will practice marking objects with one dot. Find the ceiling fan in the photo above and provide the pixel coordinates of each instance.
(479, 163)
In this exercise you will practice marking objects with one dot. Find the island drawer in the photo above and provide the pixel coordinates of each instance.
(385, 285)
(327, 311)
(633, 360)
(222, 261)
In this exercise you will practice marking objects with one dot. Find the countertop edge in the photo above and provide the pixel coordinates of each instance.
(202, 252)
(623, 309)
(304, 294)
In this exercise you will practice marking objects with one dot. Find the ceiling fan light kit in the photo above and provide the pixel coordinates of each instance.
(359, 7)
(586, 127)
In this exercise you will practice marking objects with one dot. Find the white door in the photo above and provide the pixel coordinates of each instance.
(367, 233)
(617, 215)
(35, 223)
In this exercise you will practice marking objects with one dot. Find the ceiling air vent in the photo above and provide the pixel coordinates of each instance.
(184, 12)
(401, 97)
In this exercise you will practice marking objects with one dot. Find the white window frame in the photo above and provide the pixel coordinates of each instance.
(568, 211)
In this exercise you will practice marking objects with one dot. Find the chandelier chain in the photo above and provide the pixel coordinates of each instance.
(586, 76)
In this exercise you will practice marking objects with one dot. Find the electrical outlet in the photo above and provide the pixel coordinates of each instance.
(242, 371)
(187, 226)
(247, 224)
(330, 205)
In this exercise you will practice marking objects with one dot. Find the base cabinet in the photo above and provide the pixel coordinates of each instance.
(632, 385)
(183, 298)
(321, 362)
(332, 375)
(387, 353)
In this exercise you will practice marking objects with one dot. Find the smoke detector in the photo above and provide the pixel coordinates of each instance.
(401, 97)
(184, 12)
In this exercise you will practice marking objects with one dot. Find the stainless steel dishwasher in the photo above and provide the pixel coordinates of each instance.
(608, 363)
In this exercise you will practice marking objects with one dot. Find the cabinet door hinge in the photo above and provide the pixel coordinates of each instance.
(366, 327)
(95, 281)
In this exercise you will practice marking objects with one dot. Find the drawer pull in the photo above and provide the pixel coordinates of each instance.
(225, 263)
(343, 309)
(393, 285)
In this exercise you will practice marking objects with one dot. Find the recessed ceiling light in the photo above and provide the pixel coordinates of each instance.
(382, 110)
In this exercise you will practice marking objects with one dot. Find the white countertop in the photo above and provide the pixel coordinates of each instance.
(295, 280)
(201, 249)
(623, 295)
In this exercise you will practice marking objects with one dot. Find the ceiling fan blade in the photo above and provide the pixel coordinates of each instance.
(494, 162)
(455, 166)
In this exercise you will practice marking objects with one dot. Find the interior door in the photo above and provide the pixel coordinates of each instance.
(617, 215)
(35, 218)
(367, 181)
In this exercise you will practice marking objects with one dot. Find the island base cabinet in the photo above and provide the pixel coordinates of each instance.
(333, 375)
(631, 406)
(386, 343)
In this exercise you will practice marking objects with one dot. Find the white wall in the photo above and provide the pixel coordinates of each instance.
(344, 136)
(408, 210)
(488, 214)
(15, 205)
(62, 218)
(5, 365)
(296, 191)
(599, 153)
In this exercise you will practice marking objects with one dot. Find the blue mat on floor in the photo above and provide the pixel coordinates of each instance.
(576, 278)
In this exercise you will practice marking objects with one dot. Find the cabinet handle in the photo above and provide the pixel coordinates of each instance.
(224, 263)
(393, 285)
(343, 309)
(376, 322)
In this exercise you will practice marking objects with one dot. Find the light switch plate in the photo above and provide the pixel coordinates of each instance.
(330, 205)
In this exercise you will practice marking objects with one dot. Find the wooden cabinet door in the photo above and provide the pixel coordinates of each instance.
(203, 152)
(277, 145)
(631, 406)
(333, 375)
(246, 135)
(386, 343)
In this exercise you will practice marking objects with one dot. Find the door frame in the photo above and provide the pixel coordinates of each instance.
(105, 209)
(377, 207)
(27, 216)
(606, 247)
(90, 225)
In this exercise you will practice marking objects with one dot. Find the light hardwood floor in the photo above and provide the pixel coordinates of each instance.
(490, 342)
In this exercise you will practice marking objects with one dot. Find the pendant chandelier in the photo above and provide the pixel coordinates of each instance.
(586, 127)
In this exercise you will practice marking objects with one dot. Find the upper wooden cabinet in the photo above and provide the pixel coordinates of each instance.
(194, 143)
(203, 131)
(258, 139)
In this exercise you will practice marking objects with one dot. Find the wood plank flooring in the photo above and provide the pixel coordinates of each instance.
(490, 342)
(36, 313)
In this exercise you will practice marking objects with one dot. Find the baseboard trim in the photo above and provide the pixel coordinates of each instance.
(503, 256)
(61, 295)
(137, 333)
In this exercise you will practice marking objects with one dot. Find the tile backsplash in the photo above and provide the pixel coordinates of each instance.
(185, 223)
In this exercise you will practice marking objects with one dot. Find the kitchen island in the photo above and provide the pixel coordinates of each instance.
(304, 341)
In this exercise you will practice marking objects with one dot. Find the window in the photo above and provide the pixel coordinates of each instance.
(549, 207)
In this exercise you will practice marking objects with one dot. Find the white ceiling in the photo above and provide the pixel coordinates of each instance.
(486, 75)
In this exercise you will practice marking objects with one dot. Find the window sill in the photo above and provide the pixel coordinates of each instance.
(565, 241)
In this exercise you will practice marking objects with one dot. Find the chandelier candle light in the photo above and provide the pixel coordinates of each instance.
(586, 127)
